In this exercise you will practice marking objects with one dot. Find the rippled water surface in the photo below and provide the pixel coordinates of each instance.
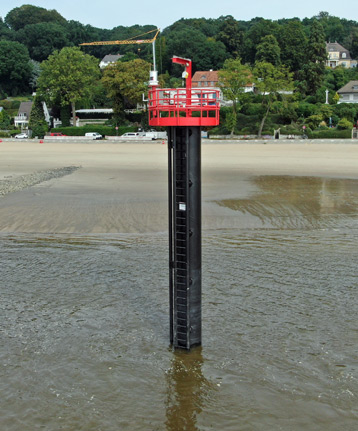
(84, 323)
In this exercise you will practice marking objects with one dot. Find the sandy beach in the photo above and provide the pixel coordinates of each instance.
(122, 187)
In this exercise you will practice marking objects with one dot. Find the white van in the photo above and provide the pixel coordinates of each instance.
(93, 135)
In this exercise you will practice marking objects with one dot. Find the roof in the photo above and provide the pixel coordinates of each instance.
(351, 87)
(25, 108)
(111, 58)
(336, 47)
(209, 76)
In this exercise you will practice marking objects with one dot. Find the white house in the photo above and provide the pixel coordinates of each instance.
(349, 93)
(109, 59)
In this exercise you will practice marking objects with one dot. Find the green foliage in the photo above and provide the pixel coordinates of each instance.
(313, 121)
(125, 83)
(344, 124)
(231, 35)
(346, 110)
(330, 134)
(268, 50)
(314, 69)
(68, 76)
(43, 38)
(4, 120)
(27, 14)
(65, 115)
(205, 52)
(293, 41)
(269, 81)
(37, 121)
(233, 78)
(15, 67)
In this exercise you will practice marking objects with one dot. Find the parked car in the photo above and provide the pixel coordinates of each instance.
(21, 136)
(57, 134)
(93, 135)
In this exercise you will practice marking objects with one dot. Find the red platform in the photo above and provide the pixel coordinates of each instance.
(183, 107)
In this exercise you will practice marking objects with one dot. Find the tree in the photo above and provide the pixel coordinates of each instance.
(313, 71)
(125, 83)
(67, 77)
(27, 14)
(206, 53)
(35, 73)
(259, 28)
(5, 32)
(268, 50)
(5, 120)
(15, 67)
(42, 39)
(233, 79)
(231, 36)
(37, 121)
(293, 43)
(270, 80)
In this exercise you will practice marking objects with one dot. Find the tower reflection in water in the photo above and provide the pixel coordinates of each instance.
(188, 391)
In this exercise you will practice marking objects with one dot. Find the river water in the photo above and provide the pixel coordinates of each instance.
(84, 322)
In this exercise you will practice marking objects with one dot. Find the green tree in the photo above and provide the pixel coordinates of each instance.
(268, 50)
(5, 32)
(259, 28)
(42, 39)
(354, 43)
(15, 67)
(233, 79)
(37, 121)
(5, 120)
(67, 77)
(125, 83)
(293, 43)
(231, 36)
(27, 14)
(313, 71)
(206, 53)
(270, 80)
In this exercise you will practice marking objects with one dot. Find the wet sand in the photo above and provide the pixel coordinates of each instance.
(122, 187)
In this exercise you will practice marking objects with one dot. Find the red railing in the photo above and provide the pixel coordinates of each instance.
(183, 107)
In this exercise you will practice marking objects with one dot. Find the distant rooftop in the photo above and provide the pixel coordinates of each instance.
(351, 87)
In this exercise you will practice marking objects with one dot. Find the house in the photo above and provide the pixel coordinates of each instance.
(22, 118)
(109, 59)
(339, 56)
(208, 79)
(23, 115)
(349, 93)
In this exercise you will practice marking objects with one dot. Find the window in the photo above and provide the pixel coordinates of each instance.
(344, 55)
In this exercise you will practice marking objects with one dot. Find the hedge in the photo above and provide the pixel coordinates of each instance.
(103, 130)
(330, 134)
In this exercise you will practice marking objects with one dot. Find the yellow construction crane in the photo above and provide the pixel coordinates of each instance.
(153, 74)
(130, 41)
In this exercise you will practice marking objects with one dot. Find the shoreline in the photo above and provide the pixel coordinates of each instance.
(123, 188)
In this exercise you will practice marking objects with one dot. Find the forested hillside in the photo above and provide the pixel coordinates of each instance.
(30, 34)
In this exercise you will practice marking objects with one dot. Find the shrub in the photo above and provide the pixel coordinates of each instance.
(330, 134)
(344, 124)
